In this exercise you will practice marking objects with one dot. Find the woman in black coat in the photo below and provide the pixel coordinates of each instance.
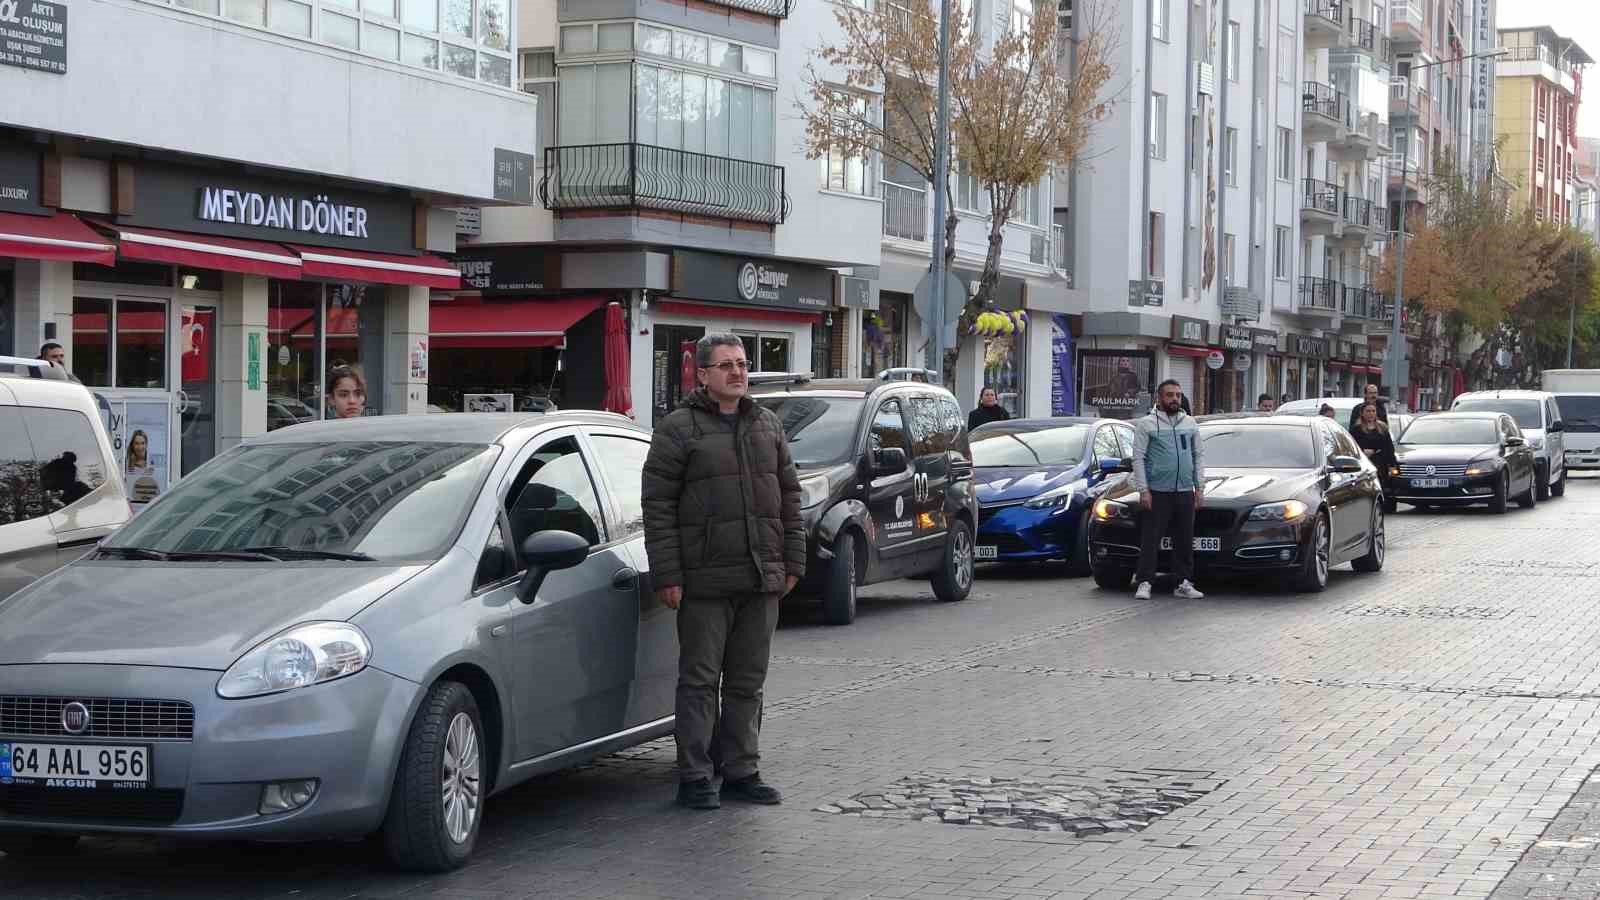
(1372, 436)
(989, 410)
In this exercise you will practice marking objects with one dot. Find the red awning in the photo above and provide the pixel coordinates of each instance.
(207, 252)
(749, 314)
(1180, 350)
(1338, 364)
(378, 268)
(472, 324)
(61, 237)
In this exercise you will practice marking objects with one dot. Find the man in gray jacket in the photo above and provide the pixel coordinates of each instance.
(1170, 474)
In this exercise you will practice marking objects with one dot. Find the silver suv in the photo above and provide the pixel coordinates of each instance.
(60, 485)
(1539, 418)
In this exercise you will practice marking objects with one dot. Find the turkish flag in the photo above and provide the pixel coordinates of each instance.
(196, 337)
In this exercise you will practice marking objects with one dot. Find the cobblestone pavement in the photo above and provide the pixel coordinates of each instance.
(1425, 732)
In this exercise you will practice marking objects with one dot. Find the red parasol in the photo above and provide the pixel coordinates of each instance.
(619, 396)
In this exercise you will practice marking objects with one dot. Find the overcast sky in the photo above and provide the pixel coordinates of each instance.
(1576, 19)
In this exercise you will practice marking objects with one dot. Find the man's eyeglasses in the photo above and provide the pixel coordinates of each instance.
(728, 365)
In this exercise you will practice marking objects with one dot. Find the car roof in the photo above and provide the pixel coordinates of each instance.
(1507, 394)
(1456, 414)
(1257, 419)
(1040, 423)
(456, 428)
(50, 394)
(1316, 402)
(842, 387)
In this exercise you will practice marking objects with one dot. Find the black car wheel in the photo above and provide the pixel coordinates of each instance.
(23, 846)
(1376, 548)
(1313, 574)
(1541, 474)
(1497, 503)
(1113, 579)
(1078, 560)
(1559, 488)
(839, 588)
(436, 807)
(953, 580)
(1528, 498)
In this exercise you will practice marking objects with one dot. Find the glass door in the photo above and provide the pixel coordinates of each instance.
(197, 396)
(121, 351)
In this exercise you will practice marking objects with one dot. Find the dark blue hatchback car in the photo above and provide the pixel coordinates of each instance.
(1037, 480)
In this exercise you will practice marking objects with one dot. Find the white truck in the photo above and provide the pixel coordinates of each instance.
(1577, 393)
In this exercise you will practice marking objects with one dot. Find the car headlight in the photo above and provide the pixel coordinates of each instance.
(1394, 471)
(1287, 511)
(1055, 498)
(1536, 443)
(304, 655)
(1487, 467)
(1111, 509)
(814, 491)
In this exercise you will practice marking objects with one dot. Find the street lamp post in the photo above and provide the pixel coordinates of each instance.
(1395, 371)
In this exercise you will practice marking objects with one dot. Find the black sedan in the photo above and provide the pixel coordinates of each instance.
(1284, 495)
(1463, 458)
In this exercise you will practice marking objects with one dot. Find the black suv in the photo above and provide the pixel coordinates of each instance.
(886, 475)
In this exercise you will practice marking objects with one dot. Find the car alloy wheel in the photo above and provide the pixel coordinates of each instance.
(463, 779)
(952, 580)
(1377, 545)
(1380, 543)
(1322, 541)
(963, 558)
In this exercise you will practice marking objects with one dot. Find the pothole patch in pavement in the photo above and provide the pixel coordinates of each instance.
(1081, 803)
(1427, 612)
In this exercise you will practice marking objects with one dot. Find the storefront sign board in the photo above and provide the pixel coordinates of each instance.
(1063, 395)
(1215, 360)
(503, 270)
(33, 35)
(1232, 337)
(513, 176)
(1188, 330)
(749, 281)
(20, 179)
(1264, 340)
(1115, 384)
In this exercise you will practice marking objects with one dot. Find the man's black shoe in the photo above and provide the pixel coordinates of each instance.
(752, 790)
(698, 794)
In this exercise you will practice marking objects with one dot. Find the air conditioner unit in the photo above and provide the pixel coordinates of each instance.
(1205, 81)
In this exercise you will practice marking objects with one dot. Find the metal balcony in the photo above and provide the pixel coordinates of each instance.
(1407, 99)
(1360, 220)
(1405, 23)
(641, 176)
(1325, 26)
(1353, 309)
(1360, 141)
(1321, 207)
(1324, 112)
(905, 211)
(778, 9)
(1319, 296)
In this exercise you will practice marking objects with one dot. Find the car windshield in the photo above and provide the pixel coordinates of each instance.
(1427, 430)
(391, 501)
(1258, 447)
(998, 448)
(821, 430)
(1580, 412)
(1526, 412)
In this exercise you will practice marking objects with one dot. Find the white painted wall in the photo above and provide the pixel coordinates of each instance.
(165, 79)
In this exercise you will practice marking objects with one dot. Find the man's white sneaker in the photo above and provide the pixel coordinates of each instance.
(1143, 593)
(1187, 591)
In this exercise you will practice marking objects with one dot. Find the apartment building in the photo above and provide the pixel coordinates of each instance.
(209, 205)
(1539, 86)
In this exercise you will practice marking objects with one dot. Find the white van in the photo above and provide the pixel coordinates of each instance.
(60, 483)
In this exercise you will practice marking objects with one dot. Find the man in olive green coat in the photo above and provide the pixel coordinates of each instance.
(723, 531)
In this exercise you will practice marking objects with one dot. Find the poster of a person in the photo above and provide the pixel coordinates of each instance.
(145, 451)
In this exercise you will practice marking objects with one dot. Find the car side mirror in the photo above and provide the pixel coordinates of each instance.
(1111, 465)
(545, 552)
(1345, 464)
(1556, 427)
(1515, 441)
(889, 461)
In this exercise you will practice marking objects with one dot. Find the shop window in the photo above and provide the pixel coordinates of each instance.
(91, 341)
(140, 338)
(883, 333)
(767, 352)
(312, 330)
(1002, 370)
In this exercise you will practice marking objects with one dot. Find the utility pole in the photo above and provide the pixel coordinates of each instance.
(940, 186)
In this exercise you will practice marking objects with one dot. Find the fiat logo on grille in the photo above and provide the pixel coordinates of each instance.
(1432, 469)
(75, 718)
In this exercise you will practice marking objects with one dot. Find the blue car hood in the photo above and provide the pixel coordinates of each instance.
(1011, 484)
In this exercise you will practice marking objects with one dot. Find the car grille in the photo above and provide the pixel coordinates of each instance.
(1209, 521)
(155, 807)
(109, 717)
(1421, 471)
(985, 513)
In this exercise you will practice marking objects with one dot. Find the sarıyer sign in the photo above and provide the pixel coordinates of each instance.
(753, 282)
(233, 204)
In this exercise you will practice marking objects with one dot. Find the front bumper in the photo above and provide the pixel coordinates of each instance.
(1020, 534)
(1462, 490)
(346, 734)
(1253, 547)
(1582, 459)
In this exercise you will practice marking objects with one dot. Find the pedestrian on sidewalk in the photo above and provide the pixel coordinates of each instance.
(1372, 436)
(1265, 403)
(1169, 474)
(56, 355)
(1369, 394)
(989, 410)
(723, 532)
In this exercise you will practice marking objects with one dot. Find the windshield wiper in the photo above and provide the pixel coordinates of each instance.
(131, 553)
(282, 553)
(223, 555)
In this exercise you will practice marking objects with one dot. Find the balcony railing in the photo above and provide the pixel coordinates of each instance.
(1542, 54)
(1324, 100)
(1363, 35)
(1319, 293)
(1353, 302)
(1058, 248)
(641, 176)
(1332, 10)
(779, 9)
(1358, 212)
(905, 211)
(1408, 14)
(1321, 196)
(1400, 98)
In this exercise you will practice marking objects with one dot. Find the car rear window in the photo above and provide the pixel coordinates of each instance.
(1581, 412)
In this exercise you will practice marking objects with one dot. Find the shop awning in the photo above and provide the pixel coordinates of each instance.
(1337, 364)
(61, 237)
(1181, 350)
(522, 323)
(206, 252)
(378, 268)
(746, 313)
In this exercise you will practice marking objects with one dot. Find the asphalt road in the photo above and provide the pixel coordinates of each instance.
(1427, 731)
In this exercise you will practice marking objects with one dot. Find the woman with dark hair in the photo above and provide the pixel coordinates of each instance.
(989, 410)
(1372, 436)
(138, 451)
(347, 392)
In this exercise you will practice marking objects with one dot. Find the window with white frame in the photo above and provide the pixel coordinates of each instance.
(1230, 156)
(969, 193)
(1227, 259)
(1233, 51)
(1158, 126)
(467, 38)
(1285, 154)
(1281, 254)
(1286, 44)
(1025, 209)
(1021, 16)
(1156, 264)
(1158, 20)
(849, 174)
